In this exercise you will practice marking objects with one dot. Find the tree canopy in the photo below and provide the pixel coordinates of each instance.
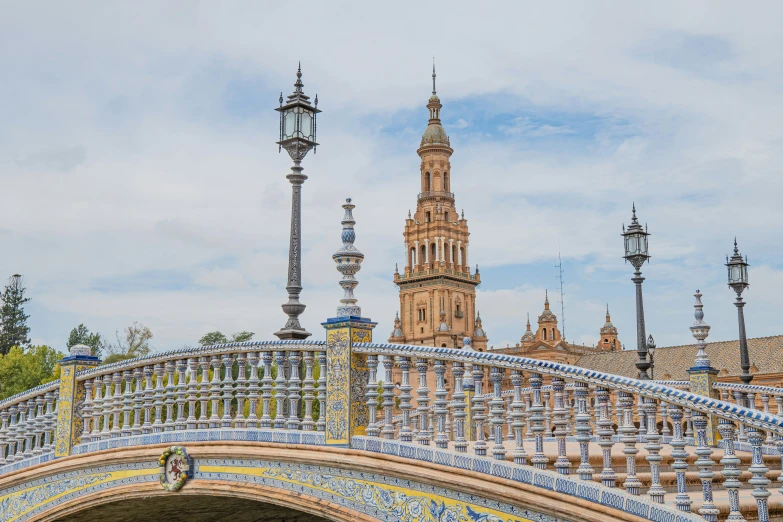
(13, 321)
(81, 335)
(134, 343)
(21, 369)
(217, 337)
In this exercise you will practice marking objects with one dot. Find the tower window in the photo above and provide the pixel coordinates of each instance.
(427, 217)
(427, 182)
(446, 181)
(447, 217)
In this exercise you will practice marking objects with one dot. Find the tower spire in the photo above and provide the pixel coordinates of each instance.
(433, 76)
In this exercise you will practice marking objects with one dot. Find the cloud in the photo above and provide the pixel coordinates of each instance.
(175, 210)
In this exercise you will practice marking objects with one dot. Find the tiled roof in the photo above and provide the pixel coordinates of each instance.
(765, 354)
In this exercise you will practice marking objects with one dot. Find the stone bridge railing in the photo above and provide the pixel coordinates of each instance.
(465, 406)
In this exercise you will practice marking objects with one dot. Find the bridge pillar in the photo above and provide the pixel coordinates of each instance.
(69, 403)
(702, 380)
(347, 375)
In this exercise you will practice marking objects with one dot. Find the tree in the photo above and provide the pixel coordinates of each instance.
(135, 344)
(81, 335)
(13, 321)
(213, 338)
(217, 337)
(21, 370)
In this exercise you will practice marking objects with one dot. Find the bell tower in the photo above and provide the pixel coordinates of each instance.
(437, 287)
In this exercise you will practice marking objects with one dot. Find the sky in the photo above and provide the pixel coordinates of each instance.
(140, 179)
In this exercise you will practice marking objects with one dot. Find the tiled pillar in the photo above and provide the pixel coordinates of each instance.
(71, 395)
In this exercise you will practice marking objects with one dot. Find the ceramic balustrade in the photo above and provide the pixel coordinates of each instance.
(27, 424)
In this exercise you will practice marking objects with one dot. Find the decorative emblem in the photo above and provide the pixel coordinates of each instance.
(174, 468)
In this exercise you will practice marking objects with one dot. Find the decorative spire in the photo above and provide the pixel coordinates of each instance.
(298, 84)
(608, 319)
(396, 268)
(528, 322)
(546, 299)
(409, 213)
(528, 335)
(700, 331)
(433, 76)
(397, 332)
(348, 260)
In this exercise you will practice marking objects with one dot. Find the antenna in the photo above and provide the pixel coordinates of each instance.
(559, 267)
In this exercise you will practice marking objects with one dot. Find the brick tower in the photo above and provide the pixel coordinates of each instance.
(437, 288)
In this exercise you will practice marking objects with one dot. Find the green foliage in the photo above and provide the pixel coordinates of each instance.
(21, 370)
(81, 335)
(213, 338)
(13, 321)
(241, 337)
(217, 337)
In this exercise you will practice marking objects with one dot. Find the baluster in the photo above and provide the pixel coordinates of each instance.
(86, 414)
(759, 471)
(730, 471)
(27, 411)
(168, 395)
(458, 397)
(539, 459)
(708, 510)
(116, 405)
(39, 425)
(431, 423)
(228, 389)
(280, 391)
(528, 415)
(497, 411)
(779, 438)
(138, 401)
(97, 410)
(214, 392)
(29, 428)
(406, 433)
(157, 425)
(656, 491)
(148, 400)
(388, 397)
(192, 423)
(479, 410)
(569, 425)
(632, 483)
(665, 431)
(740, 399)
(51, 421)
(765, 402)
(583, 430)
(689, 423)
(127, 403)
(321, 424)
(415, 422)
(204, 392)
(509, 420)
(605, 433)
(107, 407)
(422, 400)
(309, 388)
(12, 434)
(294, 389)
(546, 395)
(181, 392)
(253, 388)
(266, 390)
(680, 456)
(240, 422)
(3, 436)
(371, 392)
(518, 418)
(562, 464)
(442, 438)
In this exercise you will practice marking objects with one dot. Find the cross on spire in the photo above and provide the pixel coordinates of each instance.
(433, 75)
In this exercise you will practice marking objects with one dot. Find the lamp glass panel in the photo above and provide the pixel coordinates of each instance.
(633, 245)
(307, 125)
(734, 274)
(289, 124)
(643, 244)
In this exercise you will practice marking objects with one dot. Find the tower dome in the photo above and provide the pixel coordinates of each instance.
(434, 134)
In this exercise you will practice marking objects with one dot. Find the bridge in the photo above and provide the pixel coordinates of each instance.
(314, 430)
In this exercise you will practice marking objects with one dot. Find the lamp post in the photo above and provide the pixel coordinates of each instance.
(297, 137)
(738, 281)
(651, 351)
(636, 252)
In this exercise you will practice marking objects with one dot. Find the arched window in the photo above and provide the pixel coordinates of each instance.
(427, 217)
(423, 255)
(447, 217)
(427, 182)
(552, 335)
(446, 181)
(462, 255)
(443, 345)
(433, 252)
(413, 257)
(454, 254)
(544, 337)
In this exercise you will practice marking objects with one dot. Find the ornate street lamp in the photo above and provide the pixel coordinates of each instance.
(738, 281)
(297, 137)
(636, 252)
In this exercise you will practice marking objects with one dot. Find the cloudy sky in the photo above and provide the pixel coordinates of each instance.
(141, 182)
